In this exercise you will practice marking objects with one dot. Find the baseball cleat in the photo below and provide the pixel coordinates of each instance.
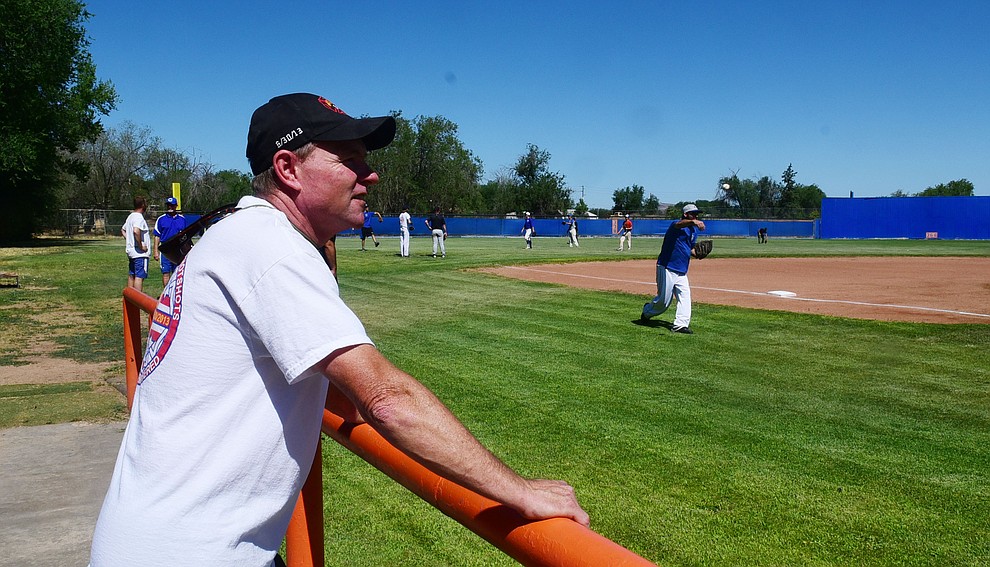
(683, 330)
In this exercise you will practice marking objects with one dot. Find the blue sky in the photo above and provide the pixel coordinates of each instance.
(868, 97)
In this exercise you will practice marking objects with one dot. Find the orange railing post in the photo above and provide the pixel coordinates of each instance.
(304, 538)
(134, 303)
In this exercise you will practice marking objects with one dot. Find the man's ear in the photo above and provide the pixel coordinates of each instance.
(286, 164)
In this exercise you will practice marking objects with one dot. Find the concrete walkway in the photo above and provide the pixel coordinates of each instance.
(52, 482)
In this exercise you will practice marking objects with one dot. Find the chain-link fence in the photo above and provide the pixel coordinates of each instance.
(96, 222)
(93, 222)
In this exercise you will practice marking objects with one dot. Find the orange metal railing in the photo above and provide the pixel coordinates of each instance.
(551, 543)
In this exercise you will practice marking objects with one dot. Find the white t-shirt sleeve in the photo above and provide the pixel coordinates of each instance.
(297, 314)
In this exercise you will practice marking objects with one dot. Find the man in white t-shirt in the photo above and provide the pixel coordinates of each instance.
(137, 244)
(249, 335)
(405, 224)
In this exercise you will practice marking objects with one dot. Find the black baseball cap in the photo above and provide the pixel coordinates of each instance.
(289, 122)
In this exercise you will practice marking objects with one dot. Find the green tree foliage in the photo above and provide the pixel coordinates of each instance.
(540, 191)
(629, 198)
(426, 166)
(500, 194)
(652, 205)
(232, 185)
(50, 100)
(959, 188)
(766, 197)
(708, 209)
(128, 161)
(116, 160)
(396, 167)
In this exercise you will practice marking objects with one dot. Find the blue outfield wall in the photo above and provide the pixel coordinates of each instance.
(951, 218)
(475, 226)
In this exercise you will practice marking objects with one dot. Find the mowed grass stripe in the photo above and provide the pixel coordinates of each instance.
(768, 438)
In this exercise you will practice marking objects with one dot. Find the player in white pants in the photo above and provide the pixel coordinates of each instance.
(572, 239)
(438, 228)
(672, 268)
(669, 285)
(625, 234)
(405, 222)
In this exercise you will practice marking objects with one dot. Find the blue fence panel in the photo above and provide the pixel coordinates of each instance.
(949, 218)
(502, 227)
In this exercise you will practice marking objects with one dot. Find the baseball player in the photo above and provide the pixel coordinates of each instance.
(405, 225)
(572, 239)
(137, 244)
(528, 230)
(366, 229)
(672, 267)
(167, 226)
(625, 234)
(438, 228)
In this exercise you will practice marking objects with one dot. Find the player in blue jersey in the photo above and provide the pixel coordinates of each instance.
(672, 268)
(366, 229)
(167, 226)
(528, 230)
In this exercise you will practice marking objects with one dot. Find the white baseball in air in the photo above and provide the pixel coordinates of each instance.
(725, 186)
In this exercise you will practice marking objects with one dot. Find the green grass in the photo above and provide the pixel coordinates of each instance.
(59, 403)
(767, 438)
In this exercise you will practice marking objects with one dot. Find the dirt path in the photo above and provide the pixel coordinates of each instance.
(933, 290)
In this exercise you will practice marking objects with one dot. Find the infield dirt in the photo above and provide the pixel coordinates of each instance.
(911, 289)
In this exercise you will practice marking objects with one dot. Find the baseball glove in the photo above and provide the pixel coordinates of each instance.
(702, 249)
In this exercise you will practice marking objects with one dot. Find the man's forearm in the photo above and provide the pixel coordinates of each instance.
(416, 422)
(410, 417)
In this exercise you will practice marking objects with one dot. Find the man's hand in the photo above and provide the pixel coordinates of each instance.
(553, 499)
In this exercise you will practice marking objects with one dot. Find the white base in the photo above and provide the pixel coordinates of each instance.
(783, 293)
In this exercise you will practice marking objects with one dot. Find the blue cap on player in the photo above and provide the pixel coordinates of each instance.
(172, 201)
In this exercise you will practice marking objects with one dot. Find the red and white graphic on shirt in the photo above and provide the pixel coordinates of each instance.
(164, 322)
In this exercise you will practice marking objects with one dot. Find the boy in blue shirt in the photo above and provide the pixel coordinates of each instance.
(167, 226)
(672, 267)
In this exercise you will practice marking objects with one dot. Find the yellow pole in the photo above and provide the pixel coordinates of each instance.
(176, 192)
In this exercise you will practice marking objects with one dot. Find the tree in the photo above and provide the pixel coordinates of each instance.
(581, 209)
(395, 165)
(652, 205)
(766, 198)
(807, 200)
(960, 188)
(500, 194)
(116, 161)
(220, 188)
(738, 196)
(425, 166)
(787, 187)
(541, 191)
(447, 173)
(50, 100)
(629, 198)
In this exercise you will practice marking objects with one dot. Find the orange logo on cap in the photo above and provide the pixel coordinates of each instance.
(330, 105)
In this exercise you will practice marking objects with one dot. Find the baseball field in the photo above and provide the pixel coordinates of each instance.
(779, 434)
